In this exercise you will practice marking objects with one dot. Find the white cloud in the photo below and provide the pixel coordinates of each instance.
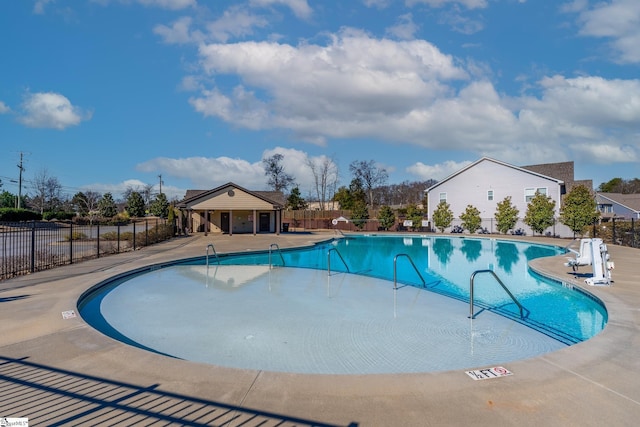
(300, 8)
(235, 22)
(405, 29)
(169, 4)
(179, 32)
(209, 172)
(380, 4)
(4, 108)
(39, 5)
(461, 23)
(469, 4)
(50, 110)
(437, 172)
(409, 92)
(617, 20)
(605, 153)
(319, 91)
(206, 172)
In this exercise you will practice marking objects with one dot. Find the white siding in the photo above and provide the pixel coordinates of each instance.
(470, 187)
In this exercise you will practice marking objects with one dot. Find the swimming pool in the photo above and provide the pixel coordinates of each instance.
(296, 318)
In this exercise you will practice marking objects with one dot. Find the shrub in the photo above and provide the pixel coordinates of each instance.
(76, 235)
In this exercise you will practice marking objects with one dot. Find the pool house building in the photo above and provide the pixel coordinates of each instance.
(231, 209)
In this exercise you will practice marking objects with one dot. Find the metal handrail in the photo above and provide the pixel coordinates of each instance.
(280, 252)
(471, 315)
(395, 275)
(329, 260)
(214, 252)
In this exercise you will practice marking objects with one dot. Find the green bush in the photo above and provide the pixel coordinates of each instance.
(76, 235)
(110, 235)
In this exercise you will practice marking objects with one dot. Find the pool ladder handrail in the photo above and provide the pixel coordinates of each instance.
(473, 275)
(395, 270)
(329, 260)
(279, 252)
(214, 253)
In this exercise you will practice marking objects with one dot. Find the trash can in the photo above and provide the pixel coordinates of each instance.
(285, 227)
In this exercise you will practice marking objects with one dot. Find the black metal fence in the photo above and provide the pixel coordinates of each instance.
(27, 247)
(622, 232)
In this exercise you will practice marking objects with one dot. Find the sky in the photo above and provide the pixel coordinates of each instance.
(106, 95)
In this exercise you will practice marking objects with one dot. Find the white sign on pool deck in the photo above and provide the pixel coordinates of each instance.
(489, 373)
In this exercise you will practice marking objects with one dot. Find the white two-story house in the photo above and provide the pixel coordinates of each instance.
(486, 182)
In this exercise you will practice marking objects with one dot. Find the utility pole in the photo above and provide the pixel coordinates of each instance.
(160, 177)
(20, 181)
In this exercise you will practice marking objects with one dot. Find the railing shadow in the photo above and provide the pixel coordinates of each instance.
(55, 397)
(15, 298)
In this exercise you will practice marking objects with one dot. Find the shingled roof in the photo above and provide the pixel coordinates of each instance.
(274, 197)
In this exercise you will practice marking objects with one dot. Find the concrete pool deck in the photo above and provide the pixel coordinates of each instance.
(63, 372)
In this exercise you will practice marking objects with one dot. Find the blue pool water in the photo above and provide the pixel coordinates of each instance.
(296, 318)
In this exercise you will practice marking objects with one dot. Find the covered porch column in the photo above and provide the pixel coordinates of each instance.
(255, 219)
(230, 222)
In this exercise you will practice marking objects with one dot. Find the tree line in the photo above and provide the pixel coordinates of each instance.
(49, 202)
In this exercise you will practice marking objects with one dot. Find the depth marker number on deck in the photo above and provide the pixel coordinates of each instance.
(489, 373)
(70, 314)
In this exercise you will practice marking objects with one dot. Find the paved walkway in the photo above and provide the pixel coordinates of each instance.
(59, 371)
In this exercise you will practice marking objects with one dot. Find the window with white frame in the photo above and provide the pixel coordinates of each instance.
(490, 195)
(443, 197)
(530, 192)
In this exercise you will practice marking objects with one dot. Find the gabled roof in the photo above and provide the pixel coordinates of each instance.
(276, 198)
(629, 201)
(485, 159)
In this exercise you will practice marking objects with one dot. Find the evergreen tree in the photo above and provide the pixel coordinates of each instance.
(360, 214)
(506, 215)
(578, 209)
(295, 201)
(135, 205)
(160, 206)
(349, 197)
(386, 217)
(107, 206)
(540, 211)
(442, 216)
(471, 219)
(415, 215)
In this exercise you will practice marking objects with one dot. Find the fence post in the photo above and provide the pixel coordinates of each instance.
(134, 235)
(33, 246)
(118, 238)
(146, 232)
(98, 239)
(71, 243)
(613, 230)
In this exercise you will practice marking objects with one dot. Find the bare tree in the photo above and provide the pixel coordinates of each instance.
(146, 193)
(279, 180)
(325, 176)
(370, 175)
(48, 191)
